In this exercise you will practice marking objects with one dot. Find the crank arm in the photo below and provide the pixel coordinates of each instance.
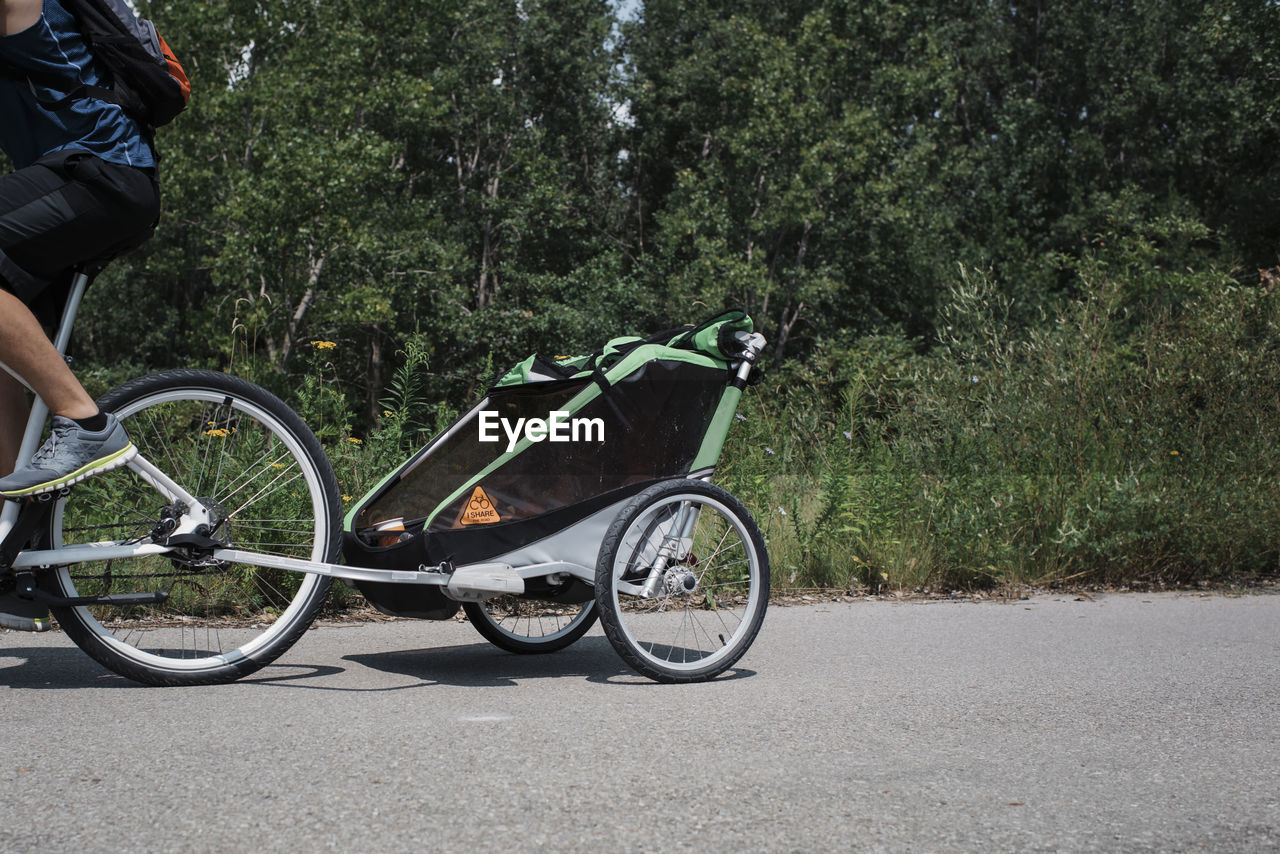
(119, 600)
(27, 589)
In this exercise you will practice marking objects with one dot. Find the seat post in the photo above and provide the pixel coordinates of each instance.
(62, 337)
(39, 410)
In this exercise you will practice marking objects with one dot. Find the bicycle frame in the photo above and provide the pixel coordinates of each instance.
(39, 411)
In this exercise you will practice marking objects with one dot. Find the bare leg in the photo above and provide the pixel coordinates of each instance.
(13, 420)
(25, 348)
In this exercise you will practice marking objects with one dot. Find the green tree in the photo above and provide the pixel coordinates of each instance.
(476, 174)
(783, 161)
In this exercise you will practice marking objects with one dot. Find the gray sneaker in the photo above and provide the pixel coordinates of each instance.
(69, 456)
(23, 615)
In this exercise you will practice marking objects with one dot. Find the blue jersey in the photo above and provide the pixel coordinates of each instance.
(55, 61)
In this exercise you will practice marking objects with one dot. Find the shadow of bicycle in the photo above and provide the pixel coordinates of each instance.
(67, 668)
(54, 668)
(481, 665)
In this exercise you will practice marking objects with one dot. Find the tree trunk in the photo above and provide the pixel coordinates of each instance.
(316, 265)
(784, 330)
(487, 286)
(373, 378)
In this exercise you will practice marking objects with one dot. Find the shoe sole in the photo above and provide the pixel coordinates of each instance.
(99, 466)
(25, 624)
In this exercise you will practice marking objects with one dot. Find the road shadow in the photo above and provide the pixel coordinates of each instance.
(55, 668)
(483, 665)
(478, 664)
(284, 674)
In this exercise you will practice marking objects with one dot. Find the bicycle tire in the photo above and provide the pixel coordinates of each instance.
(530, 627)
(236, 444)
(713, 592)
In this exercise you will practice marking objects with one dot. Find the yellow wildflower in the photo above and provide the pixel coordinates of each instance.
(323, 345)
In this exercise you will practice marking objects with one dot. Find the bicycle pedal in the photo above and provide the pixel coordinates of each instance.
(195, 541)
(50, 496)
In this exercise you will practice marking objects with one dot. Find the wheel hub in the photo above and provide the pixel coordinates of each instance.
(194, 548)
(681, 583)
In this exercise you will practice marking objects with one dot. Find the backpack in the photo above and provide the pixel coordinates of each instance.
(148, 82)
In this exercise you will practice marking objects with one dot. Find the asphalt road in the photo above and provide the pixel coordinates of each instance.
(1127, 723)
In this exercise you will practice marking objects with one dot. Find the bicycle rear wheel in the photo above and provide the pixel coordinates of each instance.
(242, 451)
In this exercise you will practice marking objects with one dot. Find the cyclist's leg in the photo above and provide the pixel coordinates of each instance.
(15, 613)
(49, 220)
(25, 348)
(64, 209)
(84, 441)
(13, 418)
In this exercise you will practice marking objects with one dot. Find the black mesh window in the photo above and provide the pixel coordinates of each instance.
(653, 424)
(449, 462)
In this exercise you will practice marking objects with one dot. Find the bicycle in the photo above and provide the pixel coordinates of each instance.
(211, 552)
(134, 563)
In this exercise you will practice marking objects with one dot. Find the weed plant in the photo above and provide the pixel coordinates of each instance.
(1130, 438)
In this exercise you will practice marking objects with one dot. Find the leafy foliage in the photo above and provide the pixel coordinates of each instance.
(439, 188)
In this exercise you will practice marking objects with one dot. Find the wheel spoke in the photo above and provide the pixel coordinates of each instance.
(270, 490)
(530, 626)
(714, 586)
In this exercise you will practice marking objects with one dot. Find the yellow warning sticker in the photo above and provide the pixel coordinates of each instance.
(479, 509)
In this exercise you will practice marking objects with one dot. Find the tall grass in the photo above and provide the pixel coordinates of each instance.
(1134, 437)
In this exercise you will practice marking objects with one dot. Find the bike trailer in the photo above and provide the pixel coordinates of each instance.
(536, 471)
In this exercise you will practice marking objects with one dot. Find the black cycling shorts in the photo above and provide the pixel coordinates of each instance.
(69, 208)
